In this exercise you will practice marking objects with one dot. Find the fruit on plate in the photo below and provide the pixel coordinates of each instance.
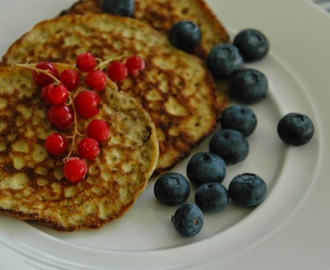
(239, 117)
(252, 44)
(172, 189)
(247, 190)
(206, 167)
(224, 60)
(230, 144)
(295, 129)
(120, 8)
(212, 197)
(188, 220)
(185, 35)
(249, 86)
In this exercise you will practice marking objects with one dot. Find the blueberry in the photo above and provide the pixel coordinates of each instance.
(212, 197)
(252, 44)
(230, 144)
(224, 60)
(188, 220)
(172, 189)
(249, 86)
(185, 35)
(124, 8)
(295, 129)
(239, 117)
(247, 190)
(205, 167)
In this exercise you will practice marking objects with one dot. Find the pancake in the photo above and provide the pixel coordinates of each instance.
(32, 186)
(175, 88)
(162, 14)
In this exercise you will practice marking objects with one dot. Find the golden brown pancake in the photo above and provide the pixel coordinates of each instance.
(162, 14)
(32, 186)
(175, 88)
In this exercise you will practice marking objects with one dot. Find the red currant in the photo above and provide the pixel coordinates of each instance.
(86, 62)
(57, 93)
(75, 170)
(134, 64)
(44, 95)
(88, 148)
(70, 78)
(87, 103)
(117, 71)
(97, 80)
(61, 116)
(42, 79)
(99, 130)
(56, 144)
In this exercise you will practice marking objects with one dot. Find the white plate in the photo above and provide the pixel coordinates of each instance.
(290, 230)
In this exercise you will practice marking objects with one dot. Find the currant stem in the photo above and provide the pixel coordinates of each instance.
(75, 131)
(102, 64)
(113, 85)
(31, 66)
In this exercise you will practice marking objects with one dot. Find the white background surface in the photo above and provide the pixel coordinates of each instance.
(290, 230)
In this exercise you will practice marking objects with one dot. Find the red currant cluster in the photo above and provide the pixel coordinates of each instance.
(63, 106)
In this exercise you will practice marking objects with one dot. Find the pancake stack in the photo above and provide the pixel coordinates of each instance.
(175, 88)
(157, 116)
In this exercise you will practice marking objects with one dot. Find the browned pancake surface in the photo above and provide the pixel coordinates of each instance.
(32, 185)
